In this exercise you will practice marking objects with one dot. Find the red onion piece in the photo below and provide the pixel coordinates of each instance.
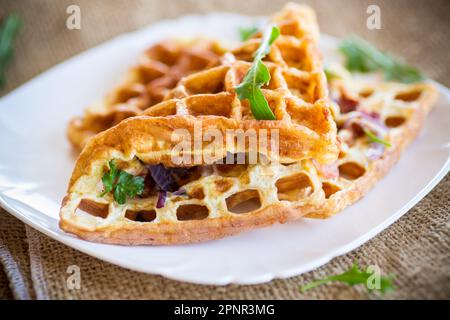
(163, 177)
(162, 195)
(366, 121)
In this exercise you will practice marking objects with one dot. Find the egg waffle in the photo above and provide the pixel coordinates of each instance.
(284, 191)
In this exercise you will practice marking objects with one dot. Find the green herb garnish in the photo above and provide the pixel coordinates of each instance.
(8, 31)
(353, 277)
(246, 33)
(363, 57)
(257, 76)
(330, 74)
(121, 183)
(373, 138)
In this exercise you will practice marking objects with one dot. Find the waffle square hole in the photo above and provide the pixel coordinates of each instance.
(124, 94)
(246, 52)
(366, 92)
(330, 189)
(244, 201)
(223, 185)
(164, 109)
(296, 56)
(197, 193)
(409, 96)
(291, 29)
(308, 115)
(231, 170)
(145, 74)
(351, 170)
(198, 61)
(299, 85)
(93, 208)
(188, 212)
(214, 105)
(294, 187)
(165, 53)
(394, 121)
(210, 81)
(141, 216)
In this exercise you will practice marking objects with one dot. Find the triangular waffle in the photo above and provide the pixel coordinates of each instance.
(297, 95)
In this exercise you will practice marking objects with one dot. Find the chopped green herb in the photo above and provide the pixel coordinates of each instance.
(121, 183)
(373, 138)
(330, 74)
(353, 277)
(246, 33)
(363, 57)
(257, 76)
(8, 31)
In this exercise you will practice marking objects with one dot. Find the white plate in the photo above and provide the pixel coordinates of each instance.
(36, 162)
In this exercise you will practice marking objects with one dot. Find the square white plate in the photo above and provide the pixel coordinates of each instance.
(36, 162)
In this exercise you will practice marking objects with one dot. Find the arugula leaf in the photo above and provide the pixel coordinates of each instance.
(257, 76)
(330, 74)
(352, 277)
(246, 33)
(8, 31)
(121, 183)
(373, 138)
(363, 57)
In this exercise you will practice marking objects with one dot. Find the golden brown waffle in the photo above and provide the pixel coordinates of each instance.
(297, 94)
(159, 70)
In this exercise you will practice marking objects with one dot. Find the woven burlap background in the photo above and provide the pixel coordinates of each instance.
(416, 248)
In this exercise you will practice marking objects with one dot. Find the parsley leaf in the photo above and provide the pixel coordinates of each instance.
(363, 57)
(373, 138)
(353, 277)
(121, 183)
(109, 178)
(246, 33)
(257, 76)
(8, 31)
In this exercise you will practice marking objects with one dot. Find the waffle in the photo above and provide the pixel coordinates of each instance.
(297, 93)
(401, 109)
(159, 70)
(210, 208)
(222, 200)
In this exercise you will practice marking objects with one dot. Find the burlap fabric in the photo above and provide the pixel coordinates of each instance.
(416, 248)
